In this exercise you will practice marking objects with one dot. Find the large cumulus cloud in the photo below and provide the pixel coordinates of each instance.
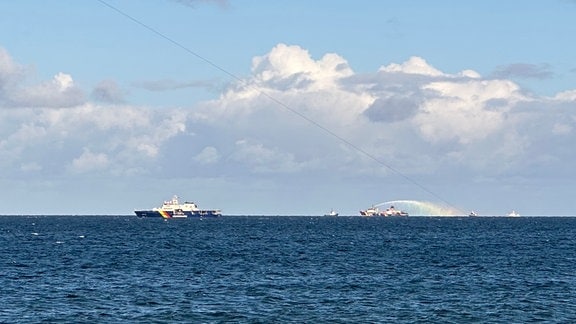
(409, 115)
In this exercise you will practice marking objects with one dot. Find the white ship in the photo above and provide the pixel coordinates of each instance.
(332, 213)
(513, 214)
(173, 209)
(391, 211)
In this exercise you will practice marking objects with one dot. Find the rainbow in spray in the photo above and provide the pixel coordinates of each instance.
(421, 208)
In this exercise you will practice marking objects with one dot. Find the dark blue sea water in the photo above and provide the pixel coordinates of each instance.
(287, 269)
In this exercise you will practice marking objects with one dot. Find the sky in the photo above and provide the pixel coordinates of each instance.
(287, 108)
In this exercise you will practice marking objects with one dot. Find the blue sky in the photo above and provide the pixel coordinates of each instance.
(287, 108)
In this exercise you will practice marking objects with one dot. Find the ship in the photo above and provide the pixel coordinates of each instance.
(513, 214)
(331, 213)
(391, 211)
(372, 211)
(173, 209)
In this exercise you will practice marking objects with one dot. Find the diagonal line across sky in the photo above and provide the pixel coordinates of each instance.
(279, 103)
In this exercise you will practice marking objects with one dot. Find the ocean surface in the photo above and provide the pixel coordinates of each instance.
(110, 269)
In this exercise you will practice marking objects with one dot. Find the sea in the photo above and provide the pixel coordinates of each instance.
(282, 269)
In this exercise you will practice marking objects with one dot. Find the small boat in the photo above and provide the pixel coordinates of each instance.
(173, 209)
(513, 214)
(473, 214)
(332, 213)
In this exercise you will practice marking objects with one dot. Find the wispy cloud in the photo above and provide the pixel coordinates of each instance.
(167, 84)
(108, 91)
(523, 70)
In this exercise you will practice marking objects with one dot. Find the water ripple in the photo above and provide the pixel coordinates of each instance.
(288, 269)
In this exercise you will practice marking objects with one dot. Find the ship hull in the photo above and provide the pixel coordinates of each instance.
(182, 214)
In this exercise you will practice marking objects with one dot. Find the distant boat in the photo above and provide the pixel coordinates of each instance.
(173, 209)
(332, 213)
(473, 214)
(372, 211)
(391, 211)
(513, 214)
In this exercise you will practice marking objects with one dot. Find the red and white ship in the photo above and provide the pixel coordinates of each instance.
(390, 211)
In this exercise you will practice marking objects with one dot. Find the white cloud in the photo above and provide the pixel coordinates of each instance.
(418, 117)
(562, 129)
(56, 93)
(63, 82)
(460, 111)
(263, 159)
(89, 161)
(208, 155)
(293, 117)
(17, 92)
(414, 65)
(470, 74)
(569, 95)
(126, 138)
(288, 78)
(10, 72)
(292, 66)
(30, 167)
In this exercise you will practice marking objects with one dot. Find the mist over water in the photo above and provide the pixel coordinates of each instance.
(421, 208)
